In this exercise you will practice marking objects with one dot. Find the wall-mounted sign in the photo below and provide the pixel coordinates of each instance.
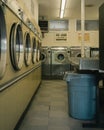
(61, 37)
(86, 37)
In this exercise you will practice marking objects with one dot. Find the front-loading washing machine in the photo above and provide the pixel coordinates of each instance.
(94, 52)
(75, 51)
(46, 62)
(60, 62)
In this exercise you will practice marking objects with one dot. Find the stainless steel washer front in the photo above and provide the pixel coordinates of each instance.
(59, 55)
(60, 62)
(75, 51)
(43, 56)
(94, 52)
(46, 62)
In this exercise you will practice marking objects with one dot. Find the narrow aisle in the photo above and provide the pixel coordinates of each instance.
(49, 109)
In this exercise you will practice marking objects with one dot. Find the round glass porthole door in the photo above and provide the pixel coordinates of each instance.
(34, 52)
(60, 57)
(3, 44)
(27, 49)
(43, 57)
(16, 46)
(38, 51)
(78, 55)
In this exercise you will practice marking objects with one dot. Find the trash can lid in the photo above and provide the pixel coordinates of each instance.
(69, 75)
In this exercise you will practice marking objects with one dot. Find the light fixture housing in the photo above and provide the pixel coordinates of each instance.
(62, 10)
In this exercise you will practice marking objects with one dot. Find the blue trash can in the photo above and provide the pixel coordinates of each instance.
(81, 95)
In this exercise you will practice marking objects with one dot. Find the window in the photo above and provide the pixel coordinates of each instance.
(58, 25)
(90, 25)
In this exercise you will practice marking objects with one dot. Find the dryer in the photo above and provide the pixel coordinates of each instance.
(17, 47)
(20, 75)
(11, 45)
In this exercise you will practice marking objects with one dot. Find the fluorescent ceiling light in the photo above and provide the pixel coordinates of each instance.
(62, 14)
(63, 2)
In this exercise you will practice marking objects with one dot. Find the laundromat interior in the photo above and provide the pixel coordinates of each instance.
(51, 64)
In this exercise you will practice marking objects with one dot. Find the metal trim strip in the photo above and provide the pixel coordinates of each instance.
(13, 81)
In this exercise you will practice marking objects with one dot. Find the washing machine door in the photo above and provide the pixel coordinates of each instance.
(3, 44)
(27, 49)
(60, 57)
(78, 55)
(16, 46)
(34, 50)
(43, 57)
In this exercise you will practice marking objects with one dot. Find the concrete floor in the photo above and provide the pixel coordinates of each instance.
(49, 109)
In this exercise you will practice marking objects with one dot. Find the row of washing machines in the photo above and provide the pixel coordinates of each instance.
(55, 59)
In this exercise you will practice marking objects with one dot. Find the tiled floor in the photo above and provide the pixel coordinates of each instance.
(49, 109)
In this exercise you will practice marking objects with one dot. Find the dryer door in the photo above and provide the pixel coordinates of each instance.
(16, 46)
(38, 51)
(3, 43)
(27, 49)
(34, 51)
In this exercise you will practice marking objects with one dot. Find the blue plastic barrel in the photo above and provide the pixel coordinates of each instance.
(82, 95)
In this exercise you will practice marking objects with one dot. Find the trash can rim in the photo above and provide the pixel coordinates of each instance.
(71, 76)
